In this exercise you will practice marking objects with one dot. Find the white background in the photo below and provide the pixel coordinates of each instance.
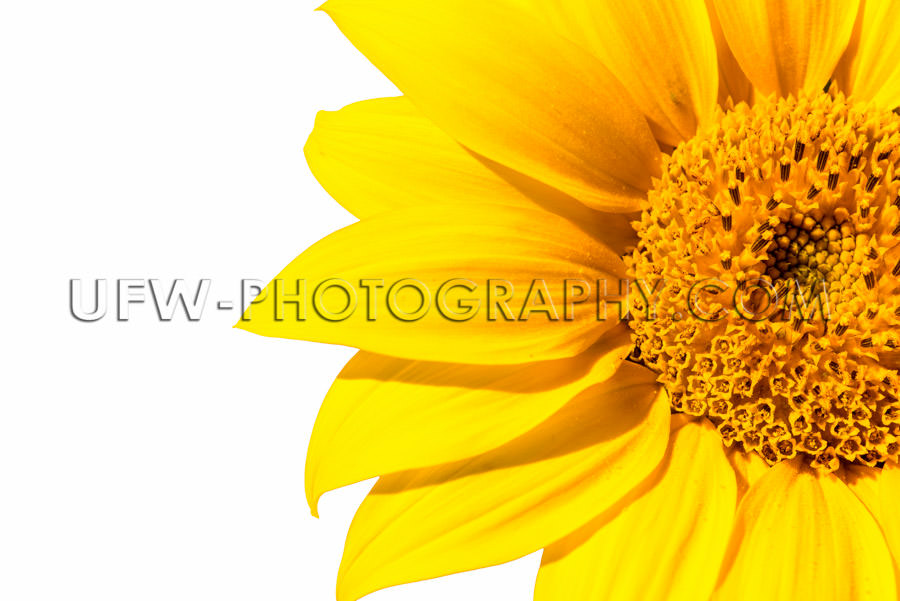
(148, 460)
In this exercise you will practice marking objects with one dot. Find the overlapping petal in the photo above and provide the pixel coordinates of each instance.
(870, 69)
(382, 155)
(800, 534)
(748, 468)
(384, 415)
(662, 51)
(498, 81)
(665, 542)
(879, 489)
(733, 82)
(424, 283)
(785, 46)
(513, 500)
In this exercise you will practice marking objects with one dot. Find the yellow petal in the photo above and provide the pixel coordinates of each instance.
(513, 500)
(383, 155)
(438, 269)
(384, 415)
(879, 489)
(501, 83)
(785, 46)
(665, 543)
(869, 69)
(663, 53)
(803, 535)
(733, 83)
(748, 467)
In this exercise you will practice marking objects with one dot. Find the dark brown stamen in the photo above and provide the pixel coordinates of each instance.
(785, 171)
(873, 181)
(726, 222)
(869, 279)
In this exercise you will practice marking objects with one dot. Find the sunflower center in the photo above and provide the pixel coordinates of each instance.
(768, 271)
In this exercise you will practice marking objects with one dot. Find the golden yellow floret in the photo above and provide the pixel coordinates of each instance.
(771, 244)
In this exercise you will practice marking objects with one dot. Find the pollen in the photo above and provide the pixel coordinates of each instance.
(768, 279)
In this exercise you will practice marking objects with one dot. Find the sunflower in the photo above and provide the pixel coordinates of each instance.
(693, 435)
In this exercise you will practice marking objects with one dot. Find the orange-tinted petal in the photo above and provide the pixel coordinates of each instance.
(879, 489)
(733, 83)
(748, 468)
(870, 69)
(785, 46)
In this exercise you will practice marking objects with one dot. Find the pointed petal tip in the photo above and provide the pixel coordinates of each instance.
(329, 7)
(312, 499)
